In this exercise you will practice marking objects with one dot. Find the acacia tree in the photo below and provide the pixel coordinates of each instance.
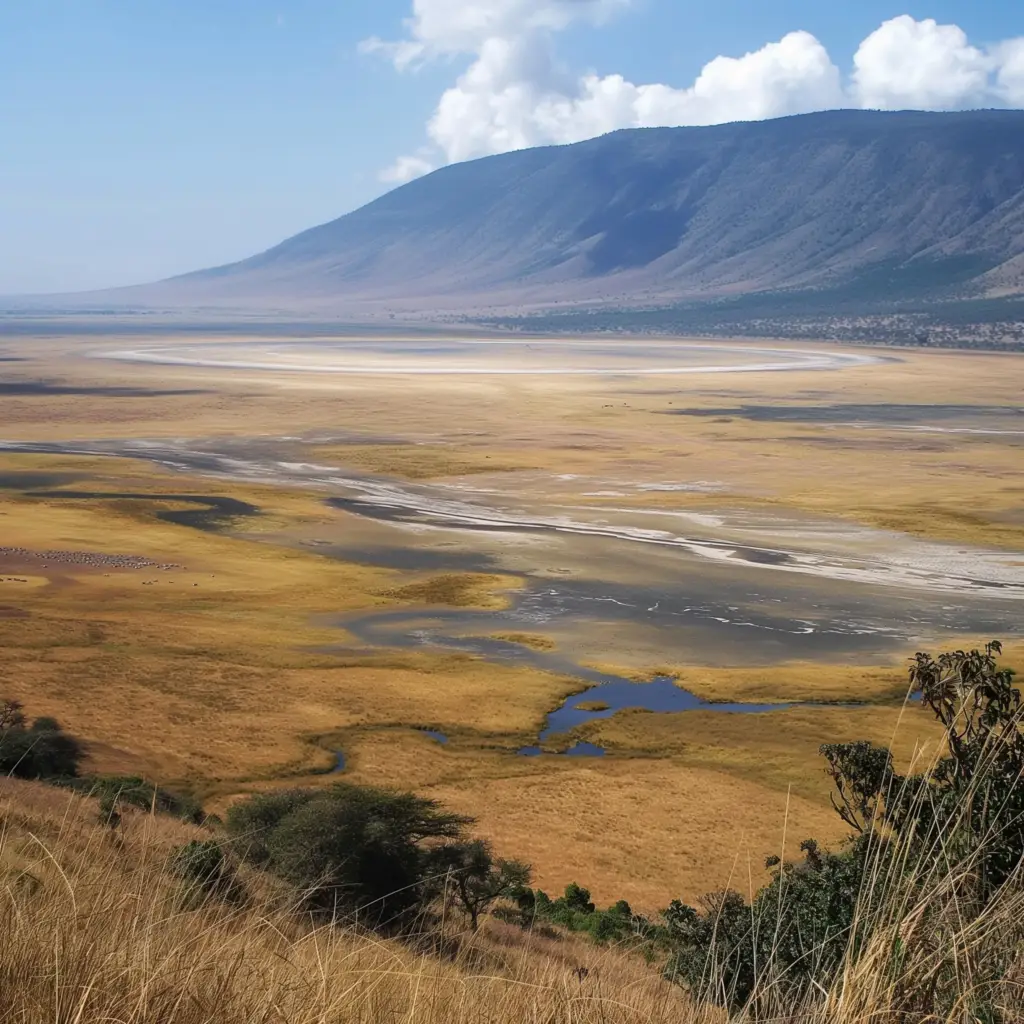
(348, 849)
(41, 750)
(475, 880)
(967, 810)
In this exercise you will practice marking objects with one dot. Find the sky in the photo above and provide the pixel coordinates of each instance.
(145, 138)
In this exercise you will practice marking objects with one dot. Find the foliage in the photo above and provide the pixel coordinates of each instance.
(209, 873)
(347, 849)
(473, 879)
(958, 826)
(114, 791)
(41, 750)
(798, 926)
(576, 912)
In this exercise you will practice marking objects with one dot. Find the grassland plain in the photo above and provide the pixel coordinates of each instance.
(960, 486)
(216, 676)
(207, 677)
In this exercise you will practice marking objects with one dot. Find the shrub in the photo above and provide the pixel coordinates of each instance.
(473, 879)
(113, 791)
(208, 871)
(577, 899)
(39, 751)
(348, 849)
(945, 841)
(250, 823)
(575, 911)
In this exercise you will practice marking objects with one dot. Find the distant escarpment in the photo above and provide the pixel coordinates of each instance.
(867, 207)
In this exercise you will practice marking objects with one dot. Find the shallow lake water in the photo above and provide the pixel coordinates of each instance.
(625, 586)
(606, 693)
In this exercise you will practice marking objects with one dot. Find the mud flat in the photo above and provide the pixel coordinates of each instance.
(628, 585)
(492, 356)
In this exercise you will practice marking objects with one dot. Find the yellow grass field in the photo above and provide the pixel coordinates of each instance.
(230, 672)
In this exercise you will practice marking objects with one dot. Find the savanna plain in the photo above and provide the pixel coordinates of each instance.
(231, 577)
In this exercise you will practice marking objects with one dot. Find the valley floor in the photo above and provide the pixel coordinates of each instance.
(189, 554)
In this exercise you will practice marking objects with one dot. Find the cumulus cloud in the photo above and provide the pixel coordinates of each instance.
(405, 168)
(919, 64)
(1009, 57)
(516, 92)
(441, 27)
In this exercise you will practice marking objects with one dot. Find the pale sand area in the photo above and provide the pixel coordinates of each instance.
(484, 356)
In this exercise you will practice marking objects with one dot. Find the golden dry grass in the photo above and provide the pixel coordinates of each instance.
(797, 681)
(777, 750)
(94, 927)
(91, 929)
(421, 461)
(456, 590)
(532, 640)
(222, 689)
(214, 665)
(217, 688)
(636, 828)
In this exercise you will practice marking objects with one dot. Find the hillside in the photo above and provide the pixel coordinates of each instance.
(94, 927)
(865, 203)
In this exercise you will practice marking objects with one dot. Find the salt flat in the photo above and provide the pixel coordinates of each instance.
(462, 356)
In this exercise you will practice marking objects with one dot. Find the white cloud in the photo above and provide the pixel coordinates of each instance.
(516, 93)
(405, 168)
(438, 27)
(1009, 57)
(919, 64)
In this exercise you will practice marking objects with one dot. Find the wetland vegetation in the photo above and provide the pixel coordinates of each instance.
(229, 601)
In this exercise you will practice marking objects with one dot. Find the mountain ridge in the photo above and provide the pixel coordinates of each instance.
(933, 202)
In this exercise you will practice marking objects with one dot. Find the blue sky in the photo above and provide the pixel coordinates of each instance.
(142, 138)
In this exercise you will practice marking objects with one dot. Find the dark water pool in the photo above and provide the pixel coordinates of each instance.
(434, 735)
(607, 693)
(217, 512)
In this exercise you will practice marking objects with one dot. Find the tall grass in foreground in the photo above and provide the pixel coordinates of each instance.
(94, 927)
(931, 939)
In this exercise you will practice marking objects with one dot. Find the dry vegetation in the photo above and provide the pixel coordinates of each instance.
(531, 640)
(93, 929)
(958, 487)
(224, 687)
(455, 590)
(421, 461)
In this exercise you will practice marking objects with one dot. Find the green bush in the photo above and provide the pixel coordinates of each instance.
(348, 850)
(208, 872)
(113, 791)
(473, 879)
(41, 750)
(956, 829)
(576, 912)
